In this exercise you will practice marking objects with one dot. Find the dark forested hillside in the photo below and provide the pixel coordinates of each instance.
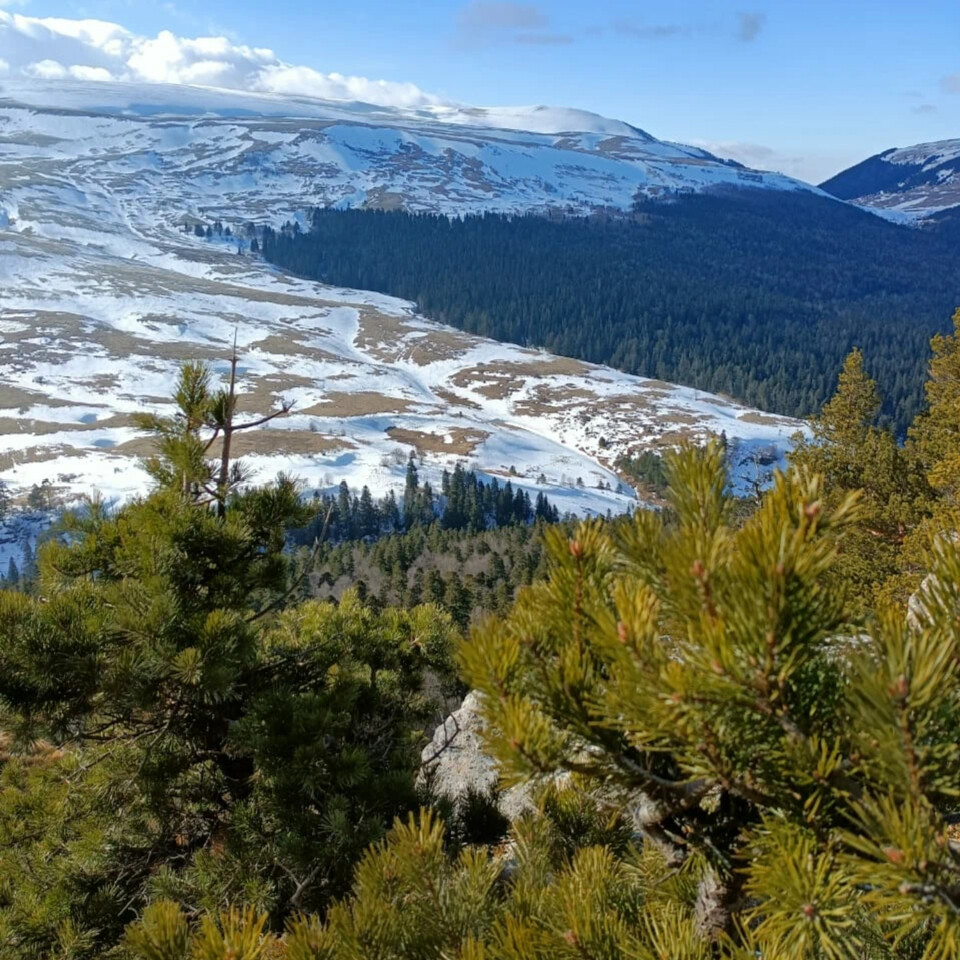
(757, 295)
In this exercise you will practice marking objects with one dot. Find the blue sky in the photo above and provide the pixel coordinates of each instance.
(807, 87)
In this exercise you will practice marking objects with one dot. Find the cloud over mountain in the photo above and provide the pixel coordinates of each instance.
(57, 48)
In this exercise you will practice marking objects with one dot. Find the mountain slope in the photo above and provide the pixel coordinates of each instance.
(223, 149)
(910, 183)
(759, 295)
(102, 294)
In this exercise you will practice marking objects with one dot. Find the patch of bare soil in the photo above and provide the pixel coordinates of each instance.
(548, 399)
(261, 394)
(259, 442)
(454, 399)
(678, 417)
(764, 419)
(39, 428)
(463, 441)
(9, 460)
(386, 338)
(285, 441)
(499, 380)
(673, 438)
(658, 385)
(119, 343)
(16, 398)
(292, 346)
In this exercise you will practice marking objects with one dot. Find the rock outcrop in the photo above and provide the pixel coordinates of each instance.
(455, 762)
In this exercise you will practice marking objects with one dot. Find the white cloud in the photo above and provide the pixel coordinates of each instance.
(304, 81)
(57, 48)
(46, 70)
(80, 72)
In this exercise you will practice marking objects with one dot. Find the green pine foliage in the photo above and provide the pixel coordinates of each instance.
(725, 770)
(699, 676)
(935, 434)
(852, 453)
(207, 738)
(732, 752)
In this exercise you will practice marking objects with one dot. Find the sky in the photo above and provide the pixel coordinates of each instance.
(807, 87)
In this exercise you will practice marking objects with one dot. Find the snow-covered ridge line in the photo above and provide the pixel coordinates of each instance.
(158, 99)
(435, 157)
(105, 290)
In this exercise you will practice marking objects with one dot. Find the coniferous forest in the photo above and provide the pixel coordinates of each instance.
(759, 295)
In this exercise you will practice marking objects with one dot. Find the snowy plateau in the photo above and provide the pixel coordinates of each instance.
(103, 293)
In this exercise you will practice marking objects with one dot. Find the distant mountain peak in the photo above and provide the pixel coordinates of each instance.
(905, 183)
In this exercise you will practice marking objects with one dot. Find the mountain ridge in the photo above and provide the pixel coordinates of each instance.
(912, 184)
(435, 158)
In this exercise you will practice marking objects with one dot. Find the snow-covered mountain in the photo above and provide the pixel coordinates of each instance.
(908, 184)
(103, 294)
(216, 149)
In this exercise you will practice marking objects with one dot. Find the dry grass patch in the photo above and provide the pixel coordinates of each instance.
(501, 379)
(256, 442)
(386, 338)
(16, 398)
(38, 428)
(546, 399)
(365, 403)
(762, 419)
(38, 454)
(260, 395)
(284, 441)
(673, 438)
(679, 417)
(291, 346)
(463, 440)
(454, 399)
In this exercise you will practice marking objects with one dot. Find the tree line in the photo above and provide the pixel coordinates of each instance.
(757, 295)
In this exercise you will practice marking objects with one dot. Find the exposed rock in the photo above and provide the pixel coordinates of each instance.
(455, 762)
(921, 603)
(918, 612)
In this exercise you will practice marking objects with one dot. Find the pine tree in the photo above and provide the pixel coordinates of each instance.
(935, 434)
(690, 682)
(853, 454)
(204, 418)
(210, 739)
